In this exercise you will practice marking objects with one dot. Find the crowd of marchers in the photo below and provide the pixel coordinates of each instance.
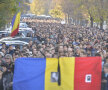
(55, 40)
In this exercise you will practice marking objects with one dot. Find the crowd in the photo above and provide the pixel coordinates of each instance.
(56, 40)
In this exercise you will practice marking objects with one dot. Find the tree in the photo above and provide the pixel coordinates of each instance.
(89, 7)
(88, 10)
(102, 9)
(57, 12)
(37, 7)
(71, 10)
(7, 9)
(97, 10)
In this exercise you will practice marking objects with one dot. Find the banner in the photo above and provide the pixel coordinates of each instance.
(83, 73)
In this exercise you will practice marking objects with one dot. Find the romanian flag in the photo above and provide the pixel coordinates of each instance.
(82, 73)
(15, 24)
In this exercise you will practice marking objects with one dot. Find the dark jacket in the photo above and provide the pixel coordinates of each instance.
(7, 80)
(1, 84)
(11, 52)
(106, 88)
(103, 85)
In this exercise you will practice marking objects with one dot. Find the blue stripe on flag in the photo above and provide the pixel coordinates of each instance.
(19, 4)
(29, 74)
(13, 20)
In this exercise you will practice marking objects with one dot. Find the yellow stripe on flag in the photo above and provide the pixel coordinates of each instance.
(51, 66)
(17, 21)
(67, 67)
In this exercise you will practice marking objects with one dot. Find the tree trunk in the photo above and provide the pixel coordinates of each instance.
(86, 23)
(68, 19)
(91, 19)
(101, 23)
(74, 21)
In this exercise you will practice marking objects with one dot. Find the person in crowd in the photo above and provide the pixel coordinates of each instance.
(10, 50)
(16, 55)
(1, 54)
(1, 79)
(3, 51)
(4, 46)
(17, 48)
(105, 80)
(7, 77)
(30, 45)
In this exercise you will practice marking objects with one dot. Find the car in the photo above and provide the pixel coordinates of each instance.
(13, 43)
(4, 34)
(1, 32)
(5, 39)
(24, 39)
(25, 31)
(22, 31)
(23, 25)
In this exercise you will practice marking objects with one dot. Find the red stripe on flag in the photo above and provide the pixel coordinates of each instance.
(88, 73)
(15, 32)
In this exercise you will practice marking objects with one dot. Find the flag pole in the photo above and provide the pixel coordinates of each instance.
(59, 78)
